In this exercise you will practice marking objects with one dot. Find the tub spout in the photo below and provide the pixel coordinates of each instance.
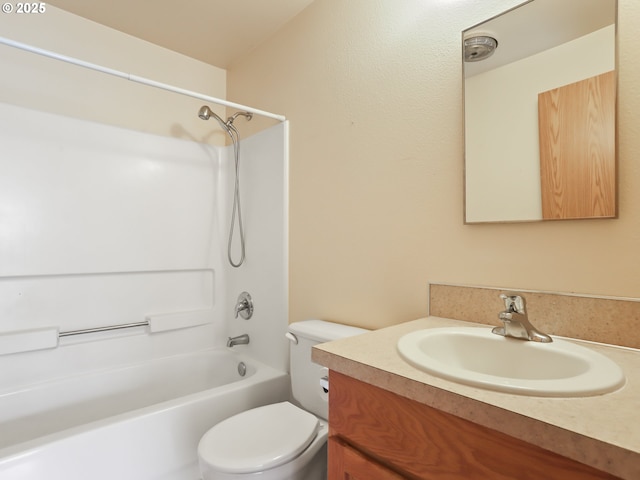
(239, 340)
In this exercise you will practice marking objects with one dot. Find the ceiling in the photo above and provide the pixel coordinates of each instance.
(217, 32)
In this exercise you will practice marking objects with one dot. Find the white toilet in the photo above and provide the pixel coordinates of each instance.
(279, 441)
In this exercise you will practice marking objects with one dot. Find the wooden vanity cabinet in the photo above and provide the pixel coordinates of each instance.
(375, 434)
(347, 463)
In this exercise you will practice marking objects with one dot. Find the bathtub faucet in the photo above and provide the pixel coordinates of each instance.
(244, 306)
(239, 340)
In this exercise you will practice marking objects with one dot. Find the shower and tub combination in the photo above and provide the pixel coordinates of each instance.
(122, 255)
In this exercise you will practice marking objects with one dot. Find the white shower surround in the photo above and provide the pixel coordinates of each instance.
(101, 225)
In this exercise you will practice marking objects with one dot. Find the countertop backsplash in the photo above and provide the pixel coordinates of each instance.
(610, 320)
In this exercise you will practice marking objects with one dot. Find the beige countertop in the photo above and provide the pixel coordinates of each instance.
(602, 431)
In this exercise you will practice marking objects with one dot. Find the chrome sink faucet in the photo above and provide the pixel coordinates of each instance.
(516, 321)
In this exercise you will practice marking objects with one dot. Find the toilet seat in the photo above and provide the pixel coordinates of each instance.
(258, 439)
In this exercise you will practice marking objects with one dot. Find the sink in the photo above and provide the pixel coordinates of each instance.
(477, 357)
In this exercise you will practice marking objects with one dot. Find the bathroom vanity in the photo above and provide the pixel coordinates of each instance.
(391, 420)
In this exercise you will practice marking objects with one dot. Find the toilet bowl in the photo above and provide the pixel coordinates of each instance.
(280, 441)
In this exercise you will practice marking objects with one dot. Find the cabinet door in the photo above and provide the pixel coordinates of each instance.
(347, 463)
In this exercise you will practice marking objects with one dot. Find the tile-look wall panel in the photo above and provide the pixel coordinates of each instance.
(607, 320)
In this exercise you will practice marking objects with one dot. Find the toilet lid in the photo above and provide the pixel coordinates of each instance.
(258, 439)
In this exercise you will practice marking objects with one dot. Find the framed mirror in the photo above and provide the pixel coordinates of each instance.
(540, 103)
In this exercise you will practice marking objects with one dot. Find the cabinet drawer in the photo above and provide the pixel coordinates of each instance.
(348, 463)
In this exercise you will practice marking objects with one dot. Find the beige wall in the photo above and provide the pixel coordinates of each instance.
(373, 93)
(37, 82)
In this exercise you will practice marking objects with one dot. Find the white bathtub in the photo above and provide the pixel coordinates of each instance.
(138, 422)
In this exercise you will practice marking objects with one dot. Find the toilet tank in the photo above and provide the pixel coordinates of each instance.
(307, 389)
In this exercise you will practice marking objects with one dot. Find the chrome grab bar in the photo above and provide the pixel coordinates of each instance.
(102, 329)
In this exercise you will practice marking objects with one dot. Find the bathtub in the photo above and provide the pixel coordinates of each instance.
(138, 422)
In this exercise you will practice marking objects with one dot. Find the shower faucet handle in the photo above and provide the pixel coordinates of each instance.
(244, 306)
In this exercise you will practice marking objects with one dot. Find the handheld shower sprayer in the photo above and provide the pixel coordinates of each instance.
(205, 113)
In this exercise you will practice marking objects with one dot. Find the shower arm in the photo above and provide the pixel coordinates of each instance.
(248, 116)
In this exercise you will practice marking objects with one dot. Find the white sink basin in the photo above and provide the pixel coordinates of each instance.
(477, 357)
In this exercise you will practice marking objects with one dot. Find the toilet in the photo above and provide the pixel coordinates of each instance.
(281, 441)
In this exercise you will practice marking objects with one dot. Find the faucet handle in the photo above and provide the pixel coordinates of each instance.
(514, 303)
(244, 306)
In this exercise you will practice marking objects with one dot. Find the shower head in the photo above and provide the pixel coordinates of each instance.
(205, 113)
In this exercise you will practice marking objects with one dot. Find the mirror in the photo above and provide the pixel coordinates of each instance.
(540, 113)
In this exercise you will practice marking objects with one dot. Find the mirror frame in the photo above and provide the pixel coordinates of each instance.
(478, 28)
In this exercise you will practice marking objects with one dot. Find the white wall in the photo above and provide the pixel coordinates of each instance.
(502, 172)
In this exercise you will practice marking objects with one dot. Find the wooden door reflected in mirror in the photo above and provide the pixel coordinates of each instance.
(577, 149)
